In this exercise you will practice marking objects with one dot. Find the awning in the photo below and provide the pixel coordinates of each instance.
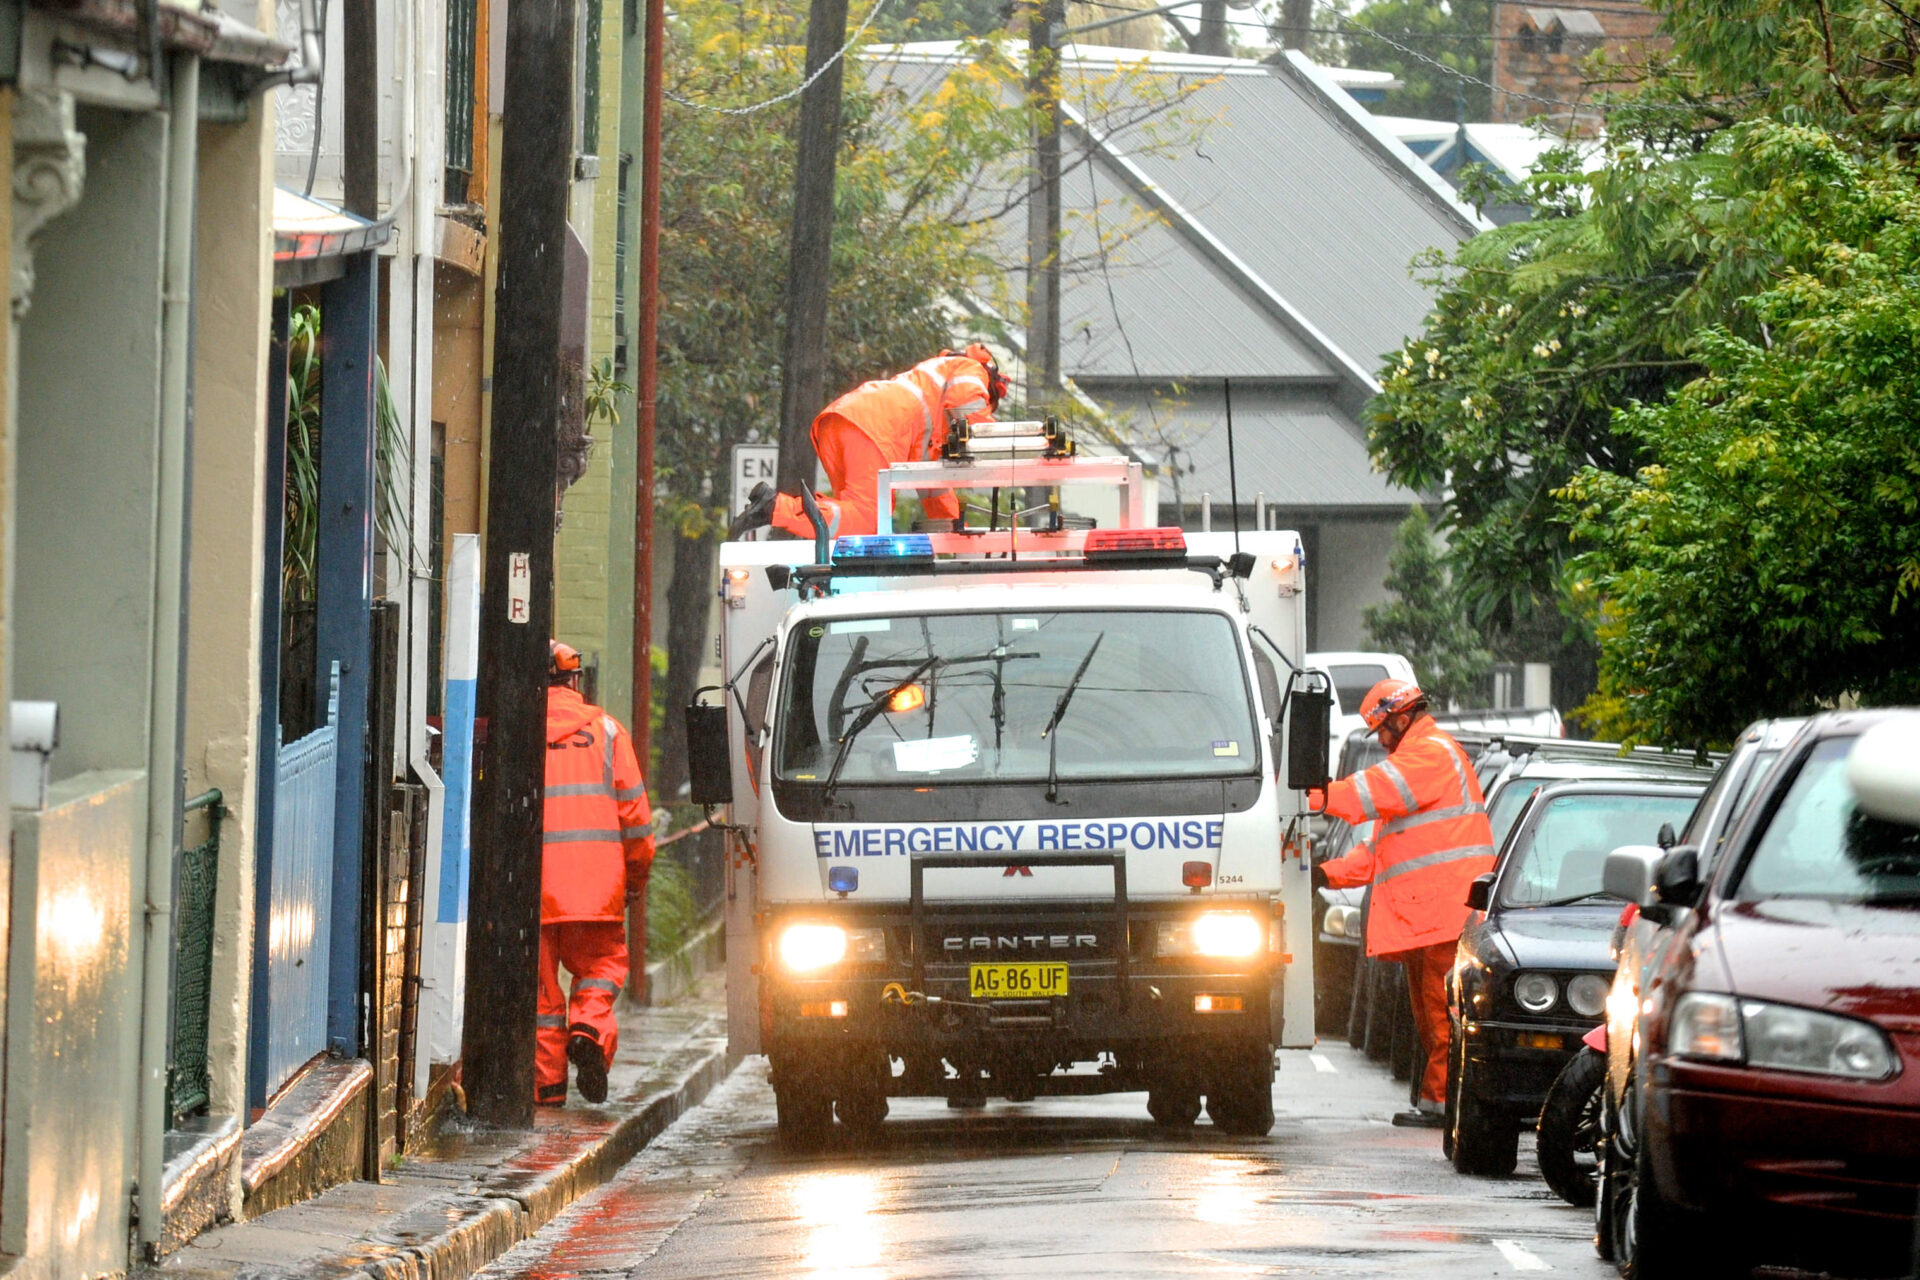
(311, 239)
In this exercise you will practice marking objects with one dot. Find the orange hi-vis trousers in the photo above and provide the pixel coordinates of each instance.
(595, 953)
(853, 463)
(1427, 984)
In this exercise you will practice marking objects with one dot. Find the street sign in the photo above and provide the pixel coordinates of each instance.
(752, 463)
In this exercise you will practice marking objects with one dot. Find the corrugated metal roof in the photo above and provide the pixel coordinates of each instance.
(1294, 445)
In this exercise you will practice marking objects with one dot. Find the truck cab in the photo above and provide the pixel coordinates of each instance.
(1009, 808)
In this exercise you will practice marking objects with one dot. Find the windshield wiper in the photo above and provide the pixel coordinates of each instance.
(1059, 710)
(1567, 902)
(868, 714)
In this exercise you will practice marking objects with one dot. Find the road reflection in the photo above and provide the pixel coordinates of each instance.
(843, 1237)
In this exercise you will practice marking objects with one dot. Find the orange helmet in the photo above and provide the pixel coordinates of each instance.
(996, 384)
(1387, 698)
(563, 661)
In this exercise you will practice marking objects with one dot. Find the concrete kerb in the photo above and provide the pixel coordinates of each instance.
(495, 1218)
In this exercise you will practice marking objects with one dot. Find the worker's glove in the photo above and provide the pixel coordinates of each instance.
(757, 514)
(1319, 878)
(1316, 800)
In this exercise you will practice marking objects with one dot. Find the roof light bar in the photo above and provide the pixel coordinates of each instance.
(1166, 543)
(883, 548)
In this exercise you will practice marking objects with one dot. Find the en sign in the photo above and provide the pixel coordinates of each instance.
(519, 587)
(752, 463)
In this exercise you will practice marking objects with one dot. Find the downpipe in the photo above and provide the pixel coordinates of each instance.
(169, 624)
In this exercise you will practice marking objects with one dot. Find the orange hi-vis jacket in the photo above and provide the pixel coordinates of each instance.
(598, 841)
(906, 416)
(1432, 841)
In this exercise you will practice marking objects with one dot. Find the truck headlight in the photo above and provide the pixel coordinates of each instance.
(1536, 992)
(807, 947)
(1228, 934)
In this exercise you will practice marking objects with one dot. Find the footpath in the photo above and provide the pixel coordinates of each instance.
(473, 1193)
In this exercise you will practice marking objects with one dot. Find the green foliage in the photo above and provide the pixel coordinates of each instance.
(1455, 33)
(1425, 622)
(673, 914)
(603, 393)
(1766, 563)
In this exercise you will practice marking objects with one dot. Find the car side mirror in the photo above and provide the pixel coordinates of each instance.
(1309, 725)
(1480, 892)
(709, 758)
(1676, 880)
(1666, 839)
(1628, 873)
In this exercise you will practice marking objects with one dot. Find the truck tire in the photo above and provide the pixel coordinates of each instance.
(1175, 1107)
(803, 1108)
(1570, 1128)
(1484, 1143)
(861, 1103)
(1240, 1101)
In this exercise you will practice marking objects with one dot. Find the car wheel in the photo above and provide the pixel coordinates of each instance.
(1380, 1001)
(1174, 1107)
(1452, 1110)
(1240, 1102)
(1652, 1239)
(1484, 1144)
(1570, 1128)
(1406, 1040)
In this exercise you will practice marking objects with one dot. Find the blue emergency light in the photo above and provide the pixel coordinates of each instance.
(843, 879)
(883, 548)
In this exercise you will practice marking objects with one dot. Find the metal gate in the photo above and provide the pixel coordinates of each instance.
(301, 896)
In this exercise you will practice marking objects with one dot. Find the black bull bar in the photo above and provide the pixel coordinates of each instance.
(919, 864)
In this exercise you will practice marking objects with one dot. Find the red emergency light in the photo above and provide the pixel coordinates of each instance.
(1196, 875)
(1167, 543)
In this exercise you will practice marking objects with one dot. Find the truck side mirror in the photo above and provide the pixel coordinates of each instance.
(709, 758)
(1309, 723)
(1480, 892)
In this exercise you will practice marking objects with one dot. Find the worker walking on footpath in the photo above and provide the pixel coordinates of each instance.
(597, 848)
(873, 426)
(1432, 839)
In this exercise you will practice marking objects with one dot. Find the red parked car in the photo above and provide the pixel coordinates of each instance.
(1764, 1088)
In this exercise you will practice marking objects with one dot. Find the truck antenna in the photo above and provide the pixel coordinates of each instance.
(1233, 477)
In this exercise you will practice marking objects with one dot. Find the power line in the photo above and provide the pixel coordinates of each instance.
(797, 90)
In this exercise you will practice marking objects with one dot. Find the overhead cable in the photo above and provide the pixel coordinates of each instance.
(798, 89)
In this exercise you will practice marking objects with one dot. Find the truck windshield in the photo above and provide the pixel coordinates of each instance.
(1160, 694)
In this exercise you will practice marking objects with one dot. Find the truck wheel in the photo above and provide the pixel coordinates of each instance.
(1175, 1107)
(1241, 1099)
(1483, 1143)
(862, 1104)
(1570, 1128)
(803, 1109)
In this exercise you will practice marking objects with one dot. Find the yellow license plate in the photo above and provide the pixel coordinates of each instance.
(1017, 981)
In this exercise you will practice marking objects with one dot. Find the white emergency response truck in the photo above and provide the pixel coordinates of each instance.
(1016, 807)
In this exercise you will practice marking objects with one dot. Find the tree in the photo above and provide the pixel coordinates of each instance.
(1457, 33)
(1424, 621)
(1767, 563)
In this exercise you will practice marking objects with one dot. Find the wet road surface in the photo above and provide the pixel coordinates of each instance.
(1065, 1188)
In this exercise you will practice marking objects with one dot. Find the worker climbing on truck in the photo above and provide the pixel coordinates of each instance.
(873, 426)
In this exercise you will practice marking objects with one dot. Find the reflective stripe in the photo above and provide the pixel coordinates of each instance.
(1366, 797)
(1413, 820)
(636, 833)
(1391, 771)
(611, 728)
(971, 406)
(582, 836)
(1426, 860)
(597, 984)
(630, 793)
(577, 789)
(551, 1020)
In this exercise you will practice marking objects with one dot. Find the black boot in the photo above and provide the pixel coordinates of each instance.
(590, 1066)
(757, 514)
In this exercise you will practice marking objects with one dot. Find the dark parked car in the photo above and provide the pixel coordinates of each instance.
(1535, 962)
(1768, 1077)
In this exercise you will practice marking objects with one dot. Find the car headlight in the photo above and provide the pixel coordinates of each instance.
(1342, 922)
(1587, 995)
(1219, 934)
(1779, 1037)
(1536, 992)
(807, 947)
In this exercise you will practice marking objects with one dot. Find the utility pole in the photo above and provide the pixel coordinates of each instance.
(516, 620)
(1044, 33)
(1211, 38)
(1296, 16)
(803, 365)
(653, 103)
